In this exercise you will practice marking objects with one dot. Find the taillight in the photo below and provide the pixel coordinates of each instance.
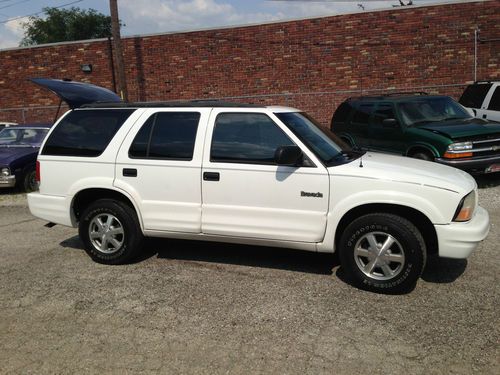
(38, 171)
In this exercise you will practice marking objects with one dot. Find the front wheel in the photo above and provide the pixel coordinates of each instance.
(383, 253)
(110, 231)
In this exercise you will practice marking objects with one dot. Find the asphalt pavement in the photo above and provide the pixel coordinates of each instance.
(210, 308)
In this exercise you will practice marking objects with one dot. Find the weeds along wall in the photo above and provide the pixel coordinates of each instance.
(312, 64)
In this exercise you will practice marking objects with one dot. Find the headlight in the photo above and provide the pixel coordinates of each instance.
(5, 172)
(466, 207)
(461, 146)
(459, 150)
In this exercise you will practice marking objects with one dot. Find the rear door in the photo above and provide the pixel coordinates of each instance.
(245, 194)
(159, 165)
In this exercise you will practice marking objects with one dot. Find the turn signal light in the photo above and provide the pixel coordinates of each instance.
(37, 175)
(450, 155)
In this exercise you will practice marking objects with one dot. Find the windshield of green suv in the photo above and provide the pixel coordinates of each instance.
(425, 110)
(321, 141)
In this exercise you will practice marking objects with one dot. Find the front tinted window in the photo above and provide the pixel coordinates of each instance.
(426, 110)
(85, 132)
(474, 95)
(167, 135)
(326, 145)
(495, 100)
(383, 111)
(246, 138)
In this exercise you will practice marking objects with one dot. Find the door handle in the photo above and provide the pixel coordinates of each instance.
(211, 176)
(129, 172)
(484, 116)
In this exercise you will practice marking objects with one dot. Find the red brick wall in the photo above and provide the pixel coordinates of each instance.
(310, 64)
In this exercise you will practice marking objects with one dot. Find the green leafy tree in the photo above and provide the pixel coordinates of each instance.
(61, 25)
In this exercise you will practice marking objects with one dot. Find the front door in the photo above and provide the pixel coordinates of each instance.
(245, 194)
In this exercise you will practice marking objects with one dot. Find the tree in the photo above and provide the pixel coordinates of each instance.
(66, 24)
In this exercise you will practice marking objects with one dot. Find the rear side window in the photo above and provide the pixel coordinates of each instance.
(342, 113)
(85, 132)
(250, 138)
(495, 100)
(362, 113)
(474, 95)
(166, 135)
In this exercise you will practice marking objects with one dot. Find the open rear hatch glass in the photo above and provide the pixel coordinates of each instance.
(76, 94)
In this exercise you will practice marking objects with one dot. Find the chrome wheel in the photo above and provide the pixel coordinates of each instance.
(106, 233)
(379, 255)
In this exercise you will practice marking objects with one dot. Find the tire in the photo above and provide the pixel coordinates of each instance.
(394, 270)
(29, 183)
(110, 232)
(423, 156)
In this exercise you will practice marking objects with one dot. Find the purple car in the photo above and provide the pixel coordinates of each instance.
(19, 147)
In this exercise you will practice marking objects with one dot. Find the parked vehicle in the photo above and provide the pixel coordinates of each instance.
(19, 147)
(253, 175)
(483, 98)
(5, 124)
(428, 127)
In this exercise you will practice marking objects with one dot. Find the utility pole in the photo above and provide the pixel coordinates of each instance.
(117, 48)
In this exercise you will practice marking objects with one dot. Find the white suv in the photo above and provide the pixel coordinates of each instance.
(254, 175)
(483, 99)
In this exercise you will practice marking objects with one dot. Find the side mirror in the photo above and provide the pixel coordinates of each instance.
(390, 123)
(288, 155)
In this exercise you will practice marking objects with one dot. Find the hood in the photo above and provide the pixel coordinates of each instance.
(76, 94)
(408, 170)
(9, 154)
(462, 128)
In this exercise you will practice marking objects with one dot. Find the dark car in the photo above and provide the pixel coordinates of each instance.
(19, 147)
(429, 127)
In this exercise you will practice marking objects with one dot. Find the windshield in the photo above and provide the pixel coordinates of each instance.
(12, 137)
(425, 110)
(321, 141)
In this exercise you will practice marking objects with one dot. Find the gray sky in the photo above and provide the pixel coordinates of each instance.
(156, 16)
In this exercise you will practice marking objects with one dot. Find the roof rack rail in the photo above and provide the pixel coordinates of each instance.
(382, 96)
(484, 81)
(407, 93)
(170, 104)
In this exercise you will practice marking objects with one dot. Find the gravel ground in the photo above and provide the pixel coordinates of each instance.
(191, 307)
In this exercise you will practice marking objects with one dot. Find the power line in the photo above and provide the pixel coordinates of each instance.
(37, 13)
(11, 5)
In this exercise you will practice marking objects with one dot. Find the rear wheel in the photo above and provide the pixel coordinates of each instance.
(382, 252)
(111, 232)
(29, 183)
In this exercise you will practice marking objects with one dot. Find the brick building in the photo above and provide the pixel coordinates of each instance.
(312, 64)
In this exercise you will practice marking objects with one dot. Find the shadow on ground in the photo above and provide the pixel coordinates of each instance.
(437, 270)
(488, 180)
(443, 270)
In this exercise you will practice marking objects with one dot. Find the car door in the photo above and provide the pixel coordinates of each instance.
(387, 136)
(245, 194)
(159, 165)
(359, 124)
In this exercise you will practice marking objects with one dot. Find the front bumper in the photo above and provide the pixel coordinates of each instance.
(473, 165)
(458, 240)
(7, 181)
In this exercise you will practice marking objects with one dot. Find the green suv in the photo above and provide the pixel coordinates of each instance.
(429, 127)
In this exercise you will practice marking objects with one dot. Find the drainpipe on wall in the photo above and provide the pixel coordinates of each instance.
(476, 37)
